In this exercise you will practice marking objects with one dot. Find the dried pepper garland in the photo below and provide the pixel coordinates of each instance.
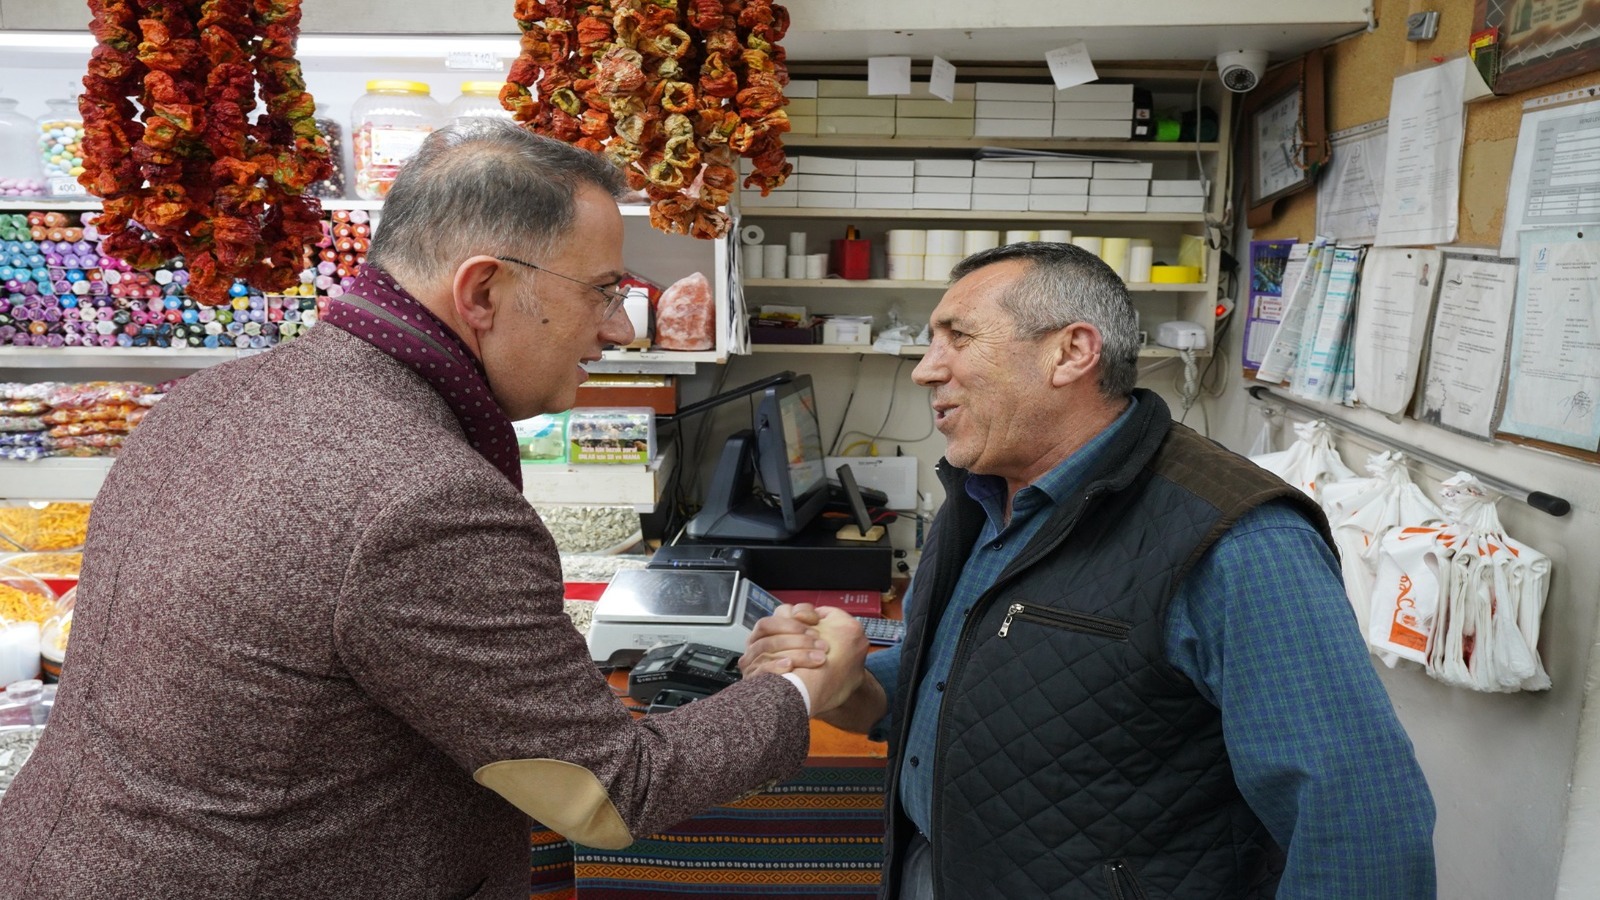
(673, 91)
(194, 177)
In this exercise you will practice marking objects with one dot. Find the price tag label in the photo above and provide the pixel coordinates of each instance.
(66, 186)
(474, 60)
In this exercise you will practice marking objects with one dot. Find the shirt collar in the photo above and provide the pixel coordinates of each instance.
(1054, 486)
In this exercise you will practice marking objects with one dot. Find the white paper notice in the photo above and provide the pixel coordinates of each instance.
(1391, 318)
(1467, 352)
(1422, 185)
(888, 75)
(942, 80)
(1555, 341)
(1351, 189)
(1299, 289)
(1071, 65)
(1556, 169)
(1319, 371)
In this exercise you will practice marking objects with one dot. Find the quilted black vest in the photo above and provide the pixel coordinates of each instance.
(1072, 759)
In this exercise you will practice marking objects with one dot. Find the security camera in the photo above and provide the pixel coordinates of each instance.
(1241, 70)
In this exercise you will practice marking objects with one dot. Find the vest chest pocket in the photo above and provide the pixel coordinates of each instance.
(1100, 626)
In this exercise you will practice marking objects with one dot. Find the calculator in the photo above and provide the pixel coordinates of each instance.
(882, 632)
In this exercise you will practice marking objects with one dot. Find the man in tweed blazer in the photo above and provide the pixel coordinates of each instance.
(320, 648)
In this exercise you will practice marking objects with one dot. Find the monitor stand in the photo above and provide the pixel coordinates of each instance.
(732, 512)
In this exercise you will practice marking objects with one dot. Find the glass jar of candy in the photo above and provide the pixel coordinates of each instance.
(19, 158)
(389, 123)
(479, 99)
(61, 145)
(332, 187)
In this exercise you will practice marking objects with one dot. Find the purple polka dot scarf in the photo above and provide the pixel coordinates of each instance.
(377, 310)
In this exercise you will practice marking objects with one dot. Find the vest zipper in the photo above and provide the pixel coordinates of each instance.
(1116, 629)
(1124, 884)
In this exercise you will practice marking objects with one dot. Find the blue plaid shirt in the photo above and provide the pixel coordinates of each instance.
(1315, 745)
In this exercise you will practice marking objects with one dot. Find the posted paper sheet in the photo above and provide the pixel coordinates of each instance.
(1422, 166)
(1321, 370)
(1351, 188)
(1467, 350)
(1555, 341)
(1307, 269)
(1396, 293)
(1557, 167)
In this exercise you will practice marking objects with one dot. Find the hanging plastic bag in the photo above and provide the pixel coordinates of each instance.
(1264, 443)
(1411, 586)
(1311, 462)
(1361, 512)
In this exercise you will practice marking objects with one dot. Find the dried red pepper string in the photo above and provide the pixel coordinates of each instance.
(192, 176)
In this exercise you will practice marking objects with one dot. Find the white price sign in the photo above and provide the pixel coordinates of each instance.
(66, 186)
(476, 60)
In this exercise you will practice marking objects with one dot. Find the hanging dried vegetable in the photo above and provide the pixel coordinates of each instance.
(672, 91)
(191, 175)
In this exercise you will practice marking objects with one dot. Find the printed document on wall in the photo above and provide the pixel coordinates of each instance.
(1467, 351)
(1323, 342)
(1555, 340)
(1350, 190)
(1422, 166)
(1556, 169)
(1396, 293)
(1283, 351)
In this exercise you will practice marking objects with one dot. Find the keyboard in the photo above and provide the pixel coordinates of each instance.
(882, 632)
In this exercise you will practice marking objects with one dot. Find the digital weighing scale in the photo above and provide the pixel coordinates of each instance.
(642, 608)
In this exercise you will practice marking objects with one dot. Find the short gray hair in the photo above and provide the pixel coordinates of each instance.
(1066, 284)
(486, 186)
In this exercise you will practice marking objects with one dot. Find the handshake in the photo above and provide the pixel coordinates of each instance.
(825, 647)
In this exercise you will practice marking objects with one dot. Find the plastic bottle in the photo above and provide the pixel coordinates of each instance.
(479, 99)
(389, 124)
(61, 145)
(20, 175)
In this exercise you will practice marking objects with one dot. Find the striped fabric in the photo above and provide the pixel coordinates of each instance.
(817, 835)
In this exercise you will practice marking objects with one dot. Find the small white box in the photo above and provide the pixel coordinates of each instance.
(944, 168)
(827, 199)
(951, 128)
(775, 200)
(1063, 168)
(981, 185)
(805, 106)
(1096, 93)
(1087, 129)
(1000, 90)
(897, 168)
(1059, 203)
(1115, 187)
(823, 165)
(847, 330)
(1013, 109)
(1118, 204)
(810, 182)
(1003, 168)
(802, 124)
(1103, 169)
(884, 184)
(941, 201)
(884, 201)
(1020, 128)
(911, 108)
(1167, 187)
(1176, 205)
(871, 126)
(855, 106)
(932, 184)
(1094, 110)
(1058, 187)
(1001, 202)
(965, 90)
(806, 89)
(841, 87)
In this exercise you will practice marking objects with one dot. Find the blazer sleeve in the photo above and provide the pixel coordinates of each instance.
(451, 617)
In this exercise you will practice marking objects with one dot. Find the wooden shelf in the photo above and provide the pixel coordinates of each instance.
(1049, 145)
(964, 215)
(879, 284)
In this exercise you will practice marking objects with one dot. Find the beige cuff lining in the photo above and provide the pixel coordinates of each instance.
(565, 797)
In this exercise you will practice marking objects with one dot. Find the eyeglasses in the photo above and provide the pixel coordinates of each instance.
(609, 296)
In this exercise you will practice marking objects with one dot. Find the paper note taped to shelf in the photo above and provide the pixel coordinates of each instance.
(1071, 65)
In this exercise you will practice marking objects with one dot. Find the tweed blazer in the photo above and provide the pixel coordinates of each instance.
(309, 612)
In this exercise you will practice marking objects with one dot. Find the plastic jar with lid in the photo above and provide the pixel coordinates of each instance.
(332, 187)
(388, 125)
(479, 99)
(20, 175)
(61, 140)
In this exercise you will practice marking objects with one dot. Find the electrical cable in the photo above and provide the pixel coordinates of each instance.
(855, 383)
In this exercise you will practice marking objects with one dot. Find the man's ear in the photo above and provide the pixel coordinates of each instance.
(1077, 354)
(471, 293)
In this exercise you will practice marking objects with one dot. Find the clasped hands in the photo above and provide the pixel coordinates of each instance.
(825, 647)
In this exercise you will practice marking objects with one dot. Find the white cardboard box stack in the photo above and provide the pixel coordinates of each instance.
(784, 196)
(884, 183)
(920, 114)
(1102, 111)
(844, 107)
(1013, 110)
(802, 108)
(942, 184)
(1119, 187)
(825, 182)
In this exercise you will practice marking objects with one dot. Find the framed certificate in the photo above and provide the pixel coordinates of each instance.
(1286, 134)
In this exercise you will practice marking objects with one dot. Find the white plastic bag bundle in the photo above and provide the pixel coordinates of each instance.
(1263, 443)
(1487, 631)
(1411, 585)
(1362, 511)
(1310, 463)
